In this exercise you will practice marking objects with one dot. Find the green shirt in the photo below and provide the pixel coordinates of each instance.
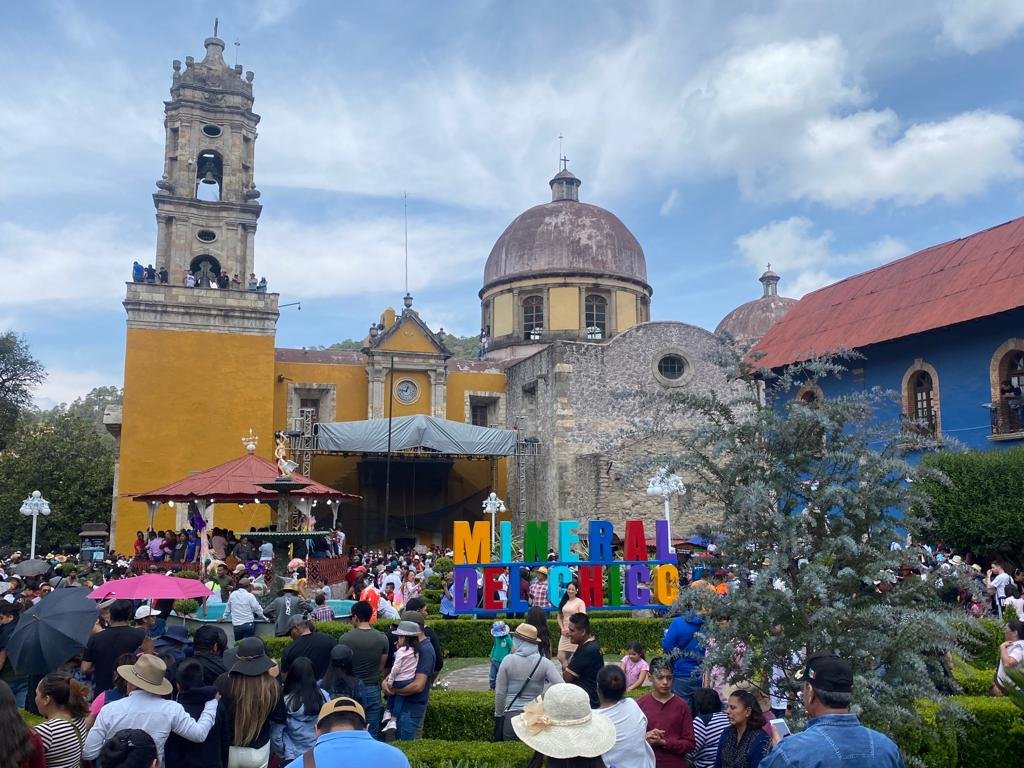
(502, 647)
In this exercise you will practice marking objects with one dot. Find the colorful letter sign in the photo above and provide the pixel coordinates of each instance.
(635, 582)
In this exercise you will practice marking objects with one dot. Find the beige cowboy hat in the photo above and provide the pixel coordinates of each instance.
(561, 724)
(291, 586)
(148, 673)
(527, 632)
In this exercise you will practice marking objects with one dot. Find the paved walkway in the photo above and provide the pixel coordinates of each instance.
(475, 678)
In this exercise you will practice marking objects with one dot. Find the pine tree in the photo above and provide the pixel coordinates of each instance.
(812, 497)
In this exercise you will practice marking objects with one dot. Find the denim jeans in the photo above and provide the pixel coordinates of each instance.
(685, 687)
(494, 672)
(373, 709)
(242, 631)
(19, 687)
(410, 720)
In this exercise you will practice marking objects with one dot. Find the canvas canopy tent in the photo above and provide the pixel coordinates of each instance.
(415, 433)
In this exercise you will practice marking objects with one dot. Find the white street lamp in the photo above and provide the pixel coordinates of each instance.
(666, 485)
(492, 506)
(35, 505)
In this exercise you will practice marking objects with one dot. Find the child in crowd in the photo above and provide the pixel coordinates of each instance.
(407, 651)
(634, 665)
(500, 648)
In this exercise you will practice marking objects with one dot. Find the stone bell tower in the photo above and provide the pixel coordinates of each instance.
(207, 202)
(199, 360)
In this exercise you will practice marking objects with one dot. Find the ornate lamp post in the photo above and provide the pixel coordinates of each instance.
(35, 505)
(492, 506)
(666, 485)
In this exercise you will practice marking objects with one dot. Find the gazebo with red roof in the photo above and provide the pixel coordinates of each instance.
(239, 482)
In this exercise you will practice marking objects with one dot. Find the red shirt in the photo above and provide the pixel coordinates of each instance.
(38, 758)
(675, 719)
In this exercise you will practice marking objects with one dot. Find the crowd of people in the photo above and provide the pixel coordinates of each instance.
(222, 280)
(143, 689)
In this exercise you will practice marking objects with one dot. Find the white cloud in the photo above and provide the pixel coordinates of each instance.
(979, 25)
(805, 260)
(670, 202)
(82, 264)
(347, 257)
(64, 385)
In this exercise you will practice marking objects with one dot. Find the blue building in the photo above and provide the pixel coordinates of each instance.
(944, 327)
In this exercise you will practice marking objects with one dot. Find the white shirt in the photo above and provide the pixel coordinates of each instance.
(1000, 581)
(243, 608)
(156, 716)
(631, 749)
(392, 578)
(1015, 651)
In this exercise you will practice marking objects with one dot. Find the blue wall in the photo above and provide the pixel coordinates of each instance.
(961, 355)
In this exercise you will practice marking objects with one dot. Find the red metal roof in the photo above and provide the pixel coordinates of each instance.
(975, 276)
(237, 481)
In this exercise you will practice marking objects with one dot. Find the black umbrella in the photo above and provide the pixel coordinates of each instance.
(31, 568)
(52, 631)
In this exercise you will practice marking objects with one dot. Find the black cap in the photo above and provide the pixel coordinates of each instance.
(827, 672)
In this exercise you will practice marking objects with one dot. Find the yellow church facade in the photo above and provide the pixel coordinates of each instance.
(202, 368)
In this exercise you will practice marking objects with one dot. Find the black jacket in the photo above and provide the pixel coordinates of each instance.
(212, 753)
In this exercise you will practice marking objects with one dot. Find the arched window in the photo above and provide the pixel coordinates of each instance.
(533, 318)
(206, 269)
(596, 316)
(209, 176)
(920, 403)
(1008, 405)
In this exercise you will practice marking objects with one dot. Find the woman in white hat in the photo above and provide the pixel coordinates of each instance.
(522, 676)
(561, 726)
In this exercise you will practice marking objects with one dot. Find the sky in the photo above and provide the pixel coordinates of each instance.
(823, 137)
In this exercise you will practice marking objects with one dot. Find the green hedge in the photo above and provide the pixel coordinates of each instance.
(459, 715)
(974, 681)
(993, 734)
(471, 638)
(432, 753)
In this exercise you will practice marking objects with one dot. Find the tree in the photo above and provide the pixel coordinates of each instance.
(19, 373)
(978, 509)
(463, 347)
(812, 498)
(89, 408)
(71, 463)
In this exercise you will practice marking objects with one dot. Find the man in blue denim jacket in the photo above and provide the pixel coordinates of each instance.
(833, 737)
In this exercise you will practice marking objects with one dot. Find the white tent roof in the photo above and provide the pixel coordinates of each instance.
(411, 432)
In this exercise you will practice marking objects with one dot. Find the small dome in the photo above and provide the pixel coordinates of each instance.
(749, 322)
(566, 237)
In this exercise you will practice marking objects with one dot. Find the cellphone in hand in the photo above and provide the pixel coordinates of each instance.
(779, 724)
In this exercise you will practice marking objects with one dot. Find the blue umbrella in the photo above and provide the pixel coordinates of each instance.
(52, 631)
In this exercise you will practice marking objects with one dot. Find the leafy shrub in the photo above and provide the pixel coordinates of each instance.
(187, 575)
(186, 607)
(444, 565)
(460, 716)
(992, 736)
(974, 681)
(978, 510)
(432, 753)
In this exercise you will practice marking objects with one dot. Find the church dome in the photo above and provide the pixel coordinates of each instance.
(749, 322)
(566, 237)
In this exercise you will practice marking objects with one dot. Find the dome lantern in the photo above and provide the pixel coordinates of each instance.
(565, 186)
(770, 281)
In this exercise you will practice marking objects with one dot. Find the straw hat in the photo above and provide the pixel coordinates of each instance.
(291, 586)
(561, 724)
(148, 673)
(527, 632)
(957, 560)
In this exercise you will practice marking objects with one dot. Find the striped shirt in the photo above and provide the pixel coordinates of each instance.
(323, 613)
(63, 740)
(707, 732)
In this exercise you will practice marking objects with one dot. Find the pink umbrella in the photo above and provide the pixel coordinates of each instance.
(151, 586)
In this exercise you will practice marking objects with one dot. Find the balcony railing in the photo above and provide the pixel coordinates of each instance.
(919, 425)
(1006, 417)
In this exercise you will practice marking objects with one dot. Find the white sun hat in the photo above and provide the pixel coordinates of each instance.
(561, 724)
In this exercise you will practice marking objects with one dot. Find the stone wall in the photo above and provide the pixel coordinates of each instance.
(600, 414)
